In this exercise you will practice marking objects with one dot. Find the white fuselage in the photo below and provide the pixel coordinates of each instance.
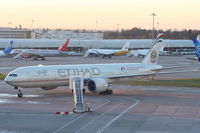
(99, 51)
(58, 75)
(143, 52)
(43, 52)
(106, 52)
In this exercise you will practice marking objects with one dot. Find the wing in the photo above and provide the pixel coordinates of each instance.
(147, 74)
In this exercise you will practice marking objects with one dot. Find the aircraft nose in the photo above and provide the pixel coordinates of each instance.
(7, 79)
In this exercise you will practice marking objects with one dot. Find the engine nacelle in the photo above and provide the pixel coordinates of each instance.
(97, 85)
(49, 88)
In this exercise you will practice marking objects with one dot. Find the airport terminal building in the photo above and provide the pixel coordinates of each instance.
(82, 41)
(83, 45)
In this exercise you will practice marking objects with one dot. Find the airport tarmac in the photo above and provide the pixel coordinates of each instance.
(132, 109)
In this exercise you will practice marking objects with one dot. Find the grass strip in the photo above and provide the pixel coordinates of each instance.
(173, 82)
(2, 76)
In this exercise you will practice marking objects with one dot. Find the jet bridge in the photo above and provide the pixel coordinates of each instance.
(76, 84)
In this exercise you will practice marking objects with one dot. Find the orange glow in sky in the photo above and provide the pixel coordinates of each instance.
(109, 14)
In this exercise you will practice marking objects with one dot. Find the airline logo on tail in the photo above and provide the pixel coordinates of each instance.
(152, 56)
(8, 49)
(159, 38)
(197, 48)
(64, 47)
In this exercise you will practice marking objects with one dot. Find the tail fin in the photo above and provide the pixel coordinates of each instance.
(198, 37)
(197, 48)
(126, 46)
(8, 49)
(152, 56)
(64, 47)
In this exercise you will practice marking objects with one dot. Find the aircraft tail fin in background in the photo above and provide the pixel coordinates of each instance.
(198, 37)
(197, 48)
(8, 49)
(64, 46)
(126, 46)
(162, 48)
(152, 56)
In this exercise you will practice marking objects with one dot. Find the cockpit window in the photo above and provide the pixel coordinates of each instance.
(13, 75)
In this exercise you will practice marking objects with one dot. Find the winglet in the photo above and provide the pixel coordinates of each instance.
(8, 49)
(64, 47)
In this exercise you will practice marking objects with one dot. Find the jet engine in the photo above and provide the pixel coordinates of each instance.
(49, 88)
(97, 85)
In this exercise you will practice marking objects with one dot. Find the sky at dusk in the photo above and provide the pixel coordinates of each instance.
(100, 14)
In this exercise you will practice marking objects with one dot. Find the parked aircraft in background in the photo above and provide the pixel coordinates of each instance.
(196, 48)
(144, 52)
(96, 76)
(42, 53)
(7, 50)
(107, 52)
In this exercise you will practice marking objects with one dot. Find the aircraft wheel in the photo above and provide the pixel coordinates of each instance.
(20, 94)
(107, 92)
(84, 90)
(101, 93)
(110, 92)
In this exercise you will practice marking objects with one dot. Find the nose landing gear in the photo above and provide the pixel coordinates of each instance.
(19, 92)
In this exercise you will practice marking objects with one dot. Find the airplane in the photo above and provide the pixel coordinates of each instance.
(107, 52)
(7, 50)
(41, 53)
(97, 77)
(197, 49)
(144, 52)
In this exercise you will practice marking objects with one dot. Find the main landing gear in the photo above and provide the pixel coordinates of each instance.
(107, 92)
(19, 93)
